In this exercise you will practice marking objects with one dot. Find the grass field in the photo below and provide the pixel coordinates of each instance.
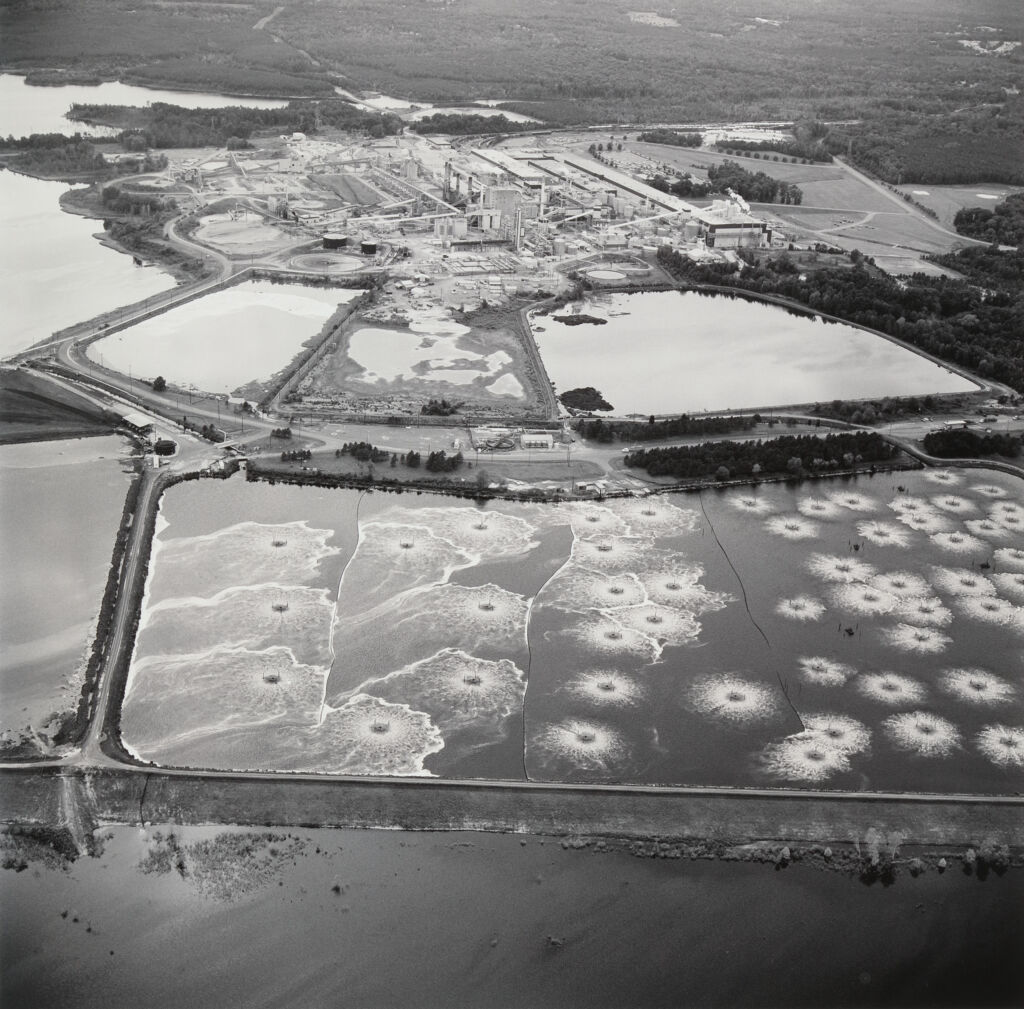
(32, 409)
(947, 200)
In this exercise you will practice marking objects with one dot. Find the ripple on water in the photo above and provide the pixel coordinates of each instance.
(726, 696)
(1002, 744)
(923, 733)
(792, 527)
(585, 745)
(921, 640)
(367, 735)
(978, 686)
(839, 568)
(883, 534)
(825, 672)
(891, 688)
(803, 608)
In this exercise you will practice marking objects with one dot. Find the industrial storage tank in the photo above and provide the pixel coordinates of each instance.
(335, 240)
(368, 248)
(691, 231)
(558, 246)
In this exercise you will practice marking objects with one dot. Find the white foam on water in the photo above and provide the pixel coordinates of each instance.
(608, 636)
(609, 553)
(908, 504)
(825, 672)
(839, 568)
(803, 608)
(926, 522)
(961, 582)
(989, 490)
(664, 625)
(988, 528)
(853, 501)
(837, 731)
(926, 611)
(654, 516)
(883, 534)
(679, 587)
(458, 690)
(943, 476)
(581, 589)
(469, 613)
(729, 697)
(923, 733)
(589, 746)
(978, 686)
(1011, 583)
(592, 520)
(959, 543)
(369, 736)
(792, 527)
(1000, 509)
(862, 600)
(901, 583)
(752, 504)
(891, 688)
(954, 504)
(606, 687)
(1009, 557)
(486, 534)
(922, 640)
(410, 548)
(803, 758)
(992, 610)
(1002, 744)
(819, 508)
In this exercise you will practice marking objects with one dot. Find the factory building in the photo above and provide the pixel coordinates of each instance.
(728, 225)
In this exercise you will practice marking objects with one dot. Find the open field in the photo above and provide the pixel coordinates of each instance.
(947, 200)
(35, 410)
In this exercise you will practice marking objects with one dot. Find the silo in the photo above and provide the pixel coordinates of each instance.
(335, 240)
(368, 247)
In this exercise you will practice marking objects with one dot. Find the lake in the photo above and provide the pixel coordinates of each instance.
(222, 341)
(856, 634)
(663, 353)
(61, 504)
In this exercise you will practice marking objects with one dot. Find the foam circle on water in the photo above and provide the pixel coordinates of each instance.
(838, 568)
(818, 508)
(923, 611)
(954, 504)
(883, 534)
(367, 735)
(988, 528)
(901, 583)
(608, 553)
(962, 582)
(990, 490)
(862, 600)
(752, 504)
(908, 504)
(593, 520)
(485, 533)
(468, 614)
(825, 672)
(926, 521)
(606, 687)
(891, 688)
(654, 516)
(803, 608)
(1002, 744)
(853, 501)
(608, 636)
(729, 697)
(991, 610)
(838, 731)
(923, 733)
(959, 543)
(792, 527)
(942, 476)
(663, 624)
(680, 587)
(1011, 583)
(578, 588)
(804, 758)
(911, 638)
(1009, 557)
(586, 745)
(978, 686)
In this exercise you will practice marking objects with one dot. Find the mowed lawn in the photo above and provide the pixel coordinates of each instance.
(947, 200)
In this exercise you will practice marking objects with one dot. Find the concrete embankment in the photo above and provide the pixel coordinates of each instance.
(133, 796)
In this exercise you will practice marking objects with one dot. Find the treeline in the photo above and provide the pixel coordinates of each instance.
(961, 444)
(297, 455)
(788, 148)
(988, 267)
(162, 125)
(362, 451)
(796, 454)
(757, 187)
(607, 431)
(1004, 225)
(132, 201)
(953, 320)
(672, 138)
(440, 408)
(54, 154)
(460, 123)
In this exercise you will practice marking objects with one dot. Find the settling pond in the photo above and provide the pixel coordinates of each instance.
(667, 352)
(864, 634)
(223, 341)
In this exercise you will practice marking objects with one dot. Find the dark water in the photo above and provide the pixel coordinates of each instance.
(463, 919)
(858, 634)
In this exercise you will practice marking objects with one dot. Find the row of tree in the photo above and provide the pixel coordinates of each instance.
(962, 444)
(794, 454)
(362, 451)
(607, 431)
(458, 123)
(1003, 225)
(672, 138)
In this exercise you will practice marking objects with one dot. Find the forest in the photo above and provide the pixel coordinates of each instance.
(672, 138)
(970, 445)
(797, 455)
(954, 320)
(607, 431)
(459, 124)
(162, 125)
(1003, 225)
(757, 187)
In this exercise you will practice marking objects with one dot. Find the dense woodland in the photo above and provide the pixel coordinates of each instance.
(911, 101)
(607, 431)
(161, 125)
(757, 187)
(955, 320)
(794, 454)
(963, 444)
(672, 138)
(1003, 225)
(459, 124)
